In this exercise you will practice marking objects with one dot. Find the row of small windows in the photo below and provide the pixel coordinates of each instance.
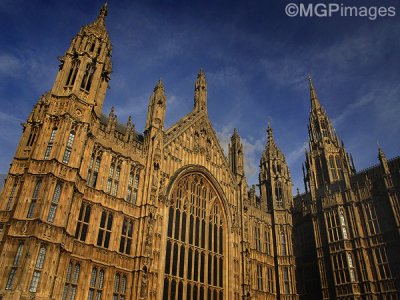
(71, 280)
(113, 178)
(34, 199)
(105, 229)
(268, 285)
(94, 167)
(37, 271)
(106, 220)
(267, 239)
(68, 147)
(96, 284)
(53, 206)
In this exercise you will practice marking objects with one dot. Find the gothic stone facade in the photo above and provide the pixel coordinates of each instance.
(92, 209)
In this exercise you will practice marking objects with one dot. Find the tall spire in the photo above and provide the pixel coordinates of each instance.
(327, 158)
(270, 137)
(271, 147)
(313, 95)
(101, 19)
(200, 92)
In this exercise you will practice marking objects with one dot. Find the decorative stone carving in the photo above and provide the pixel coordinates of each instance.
(149, 235)
(144, 283)
(202, 141)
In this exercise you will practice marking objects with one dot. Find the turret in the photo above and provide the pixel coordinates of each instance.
(200, 92)
(275, 181)
(156, 108)
(236, 155)
(276, 191)
(383, 160)
(86, 66)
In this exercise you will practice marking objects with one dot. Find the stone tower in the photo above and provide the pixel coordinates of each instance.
(200, 92)
(276, 195)
(327, 160)
(46, 181)
(86, 66)
(339, 205)
(236, 155)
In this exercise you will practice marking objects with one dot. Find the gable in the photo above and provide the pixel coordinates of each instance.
(192, 140)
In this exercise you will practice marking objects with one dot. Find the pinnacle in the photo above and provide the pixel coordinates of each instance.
(380, 151)
(103, 12)
(235, 134)
(269, 133)
(201, 76)
(100, 22)
(112, 111)
(159, 85)
(313, 95)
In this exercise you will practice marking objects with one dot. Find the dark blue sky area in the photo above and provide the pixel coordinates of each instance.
(256, 61)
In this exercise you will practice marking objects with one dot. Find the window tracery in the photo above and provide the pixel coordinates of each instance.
(194, 264)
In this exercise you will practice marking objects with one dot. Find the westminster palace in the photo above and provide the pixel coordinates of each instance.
(93, 209)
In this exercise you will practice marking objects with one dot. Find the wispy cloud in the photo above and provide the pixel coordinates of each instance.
(9, 118)
(383, 98)
(10, 65)
(295, 155)
(226, 77)
(285, 72)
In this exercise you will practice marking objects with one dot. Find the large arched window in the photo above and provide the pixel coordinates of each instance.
(194, 264)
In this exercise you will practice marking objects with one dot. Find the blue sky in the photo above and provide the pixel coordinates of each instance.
(256, 61)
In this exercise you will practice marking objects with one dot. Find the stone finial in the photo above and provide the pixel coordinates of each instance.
(102, 14)
(200, 92)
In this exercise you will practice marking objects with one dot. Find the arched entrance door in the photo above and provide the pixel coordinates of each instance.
(195, 254)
